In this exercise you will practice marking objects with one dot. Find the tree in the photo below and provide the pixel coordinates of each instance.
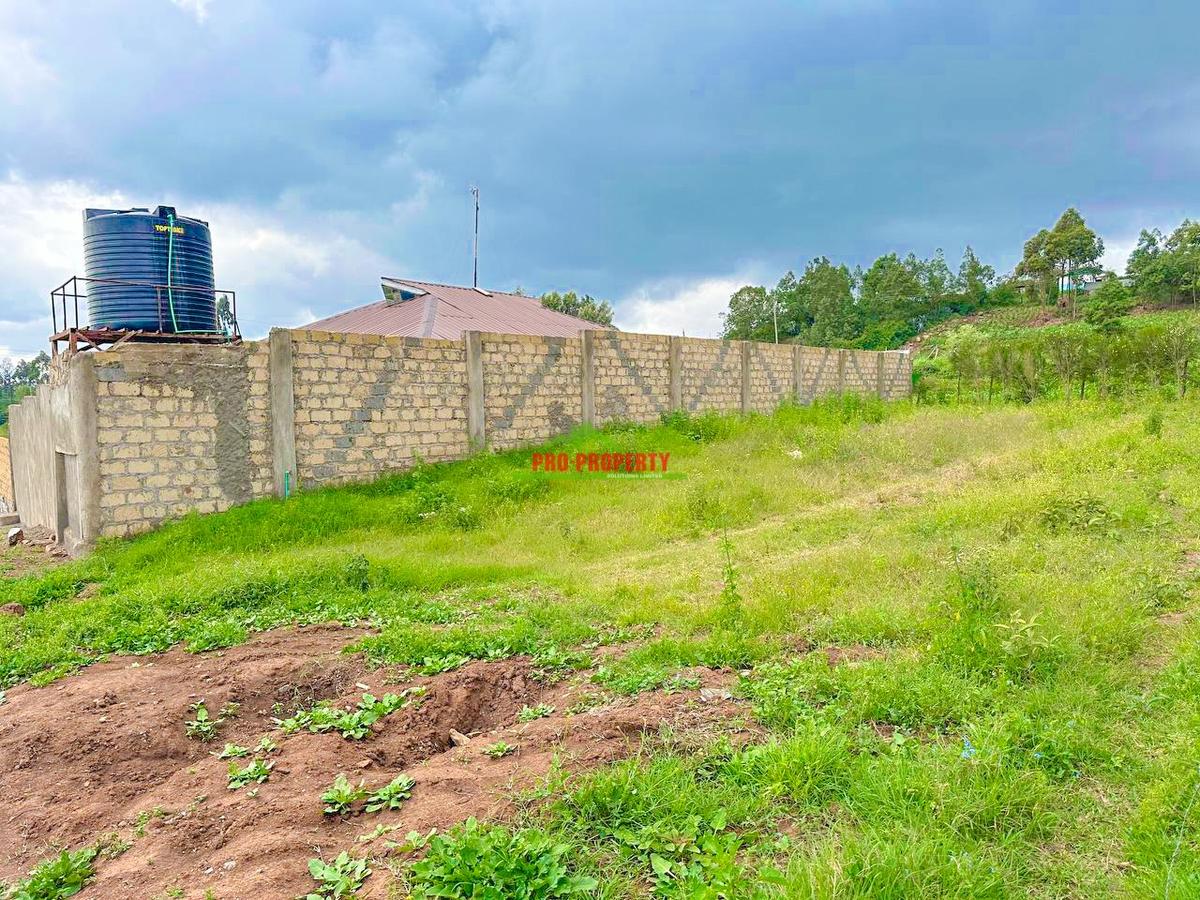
(1148, 267)
(749, 315)
(965, 351)
(892, 289)
(1183, 251)
(1037, 268)
(1108, 304)
(975, 278)
(585, 307)
(1067, 347)
(1180, 343)
(827, 293)
(1074, 248)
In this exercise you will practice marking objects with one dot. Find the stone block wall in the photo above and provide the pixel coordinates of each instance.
(124, 439)
(364, 404)
(180, 428)
(631, 376)
(819, 368)
(531, 387)
(771, 372)
(7, 500)
(710, 375)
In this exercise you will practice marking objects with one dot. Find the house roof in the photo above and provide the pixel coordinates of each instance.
(427, 309)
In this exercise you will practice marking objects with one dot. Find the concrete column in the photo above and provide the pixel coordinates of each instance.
(283, 412)
(797, 371)
(84, 441)
(587, 379)
(675, 367)
(841, 388)
(879, 383)
(745, 377)
(476, 437)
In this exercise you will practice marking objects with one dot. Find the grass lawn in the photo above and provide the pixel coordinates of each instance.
(1013, 587)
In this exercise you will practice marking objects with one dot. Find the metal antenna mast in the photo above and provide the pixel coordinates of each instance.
(475, 276)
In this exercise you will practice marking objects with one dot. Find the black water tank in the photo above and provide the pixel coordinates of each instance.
(148, 248)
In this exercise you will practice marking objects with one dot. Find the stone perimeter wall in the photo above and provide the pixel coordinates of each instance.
(7, 500)
(145, 433)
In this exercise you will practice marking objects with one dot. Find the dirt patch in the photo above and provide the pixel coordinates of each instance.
(35, 553)
(107, 748)
(852, 653)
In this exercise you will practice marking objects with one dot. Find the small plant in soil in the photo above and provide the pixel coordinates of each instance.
(203, 727)
(553, 663)
(143, 819)
(339, 800)
(340, 878)
(62, 876)
(392, 795)
(256, 773)
(498, 749)
(353, 725)
(232, 751)
(436, 665)
(266, 745)
(529, 713)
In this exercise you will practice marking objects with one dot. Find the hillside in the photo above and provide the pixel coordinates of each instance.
(845, 650)
(1033, 316)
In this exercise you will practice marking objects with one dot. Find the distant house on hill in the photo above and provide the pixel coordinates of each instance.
(426, 309)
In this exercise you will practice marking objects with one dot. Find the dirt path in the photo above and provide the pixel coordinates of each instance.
(106, 749)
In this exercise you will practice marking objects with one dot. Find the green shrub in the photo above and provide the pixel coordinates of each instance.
(64, 875)
(479, 861)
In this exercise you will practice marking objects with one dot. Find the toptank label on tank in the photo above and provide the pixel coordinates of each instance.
(163, 229)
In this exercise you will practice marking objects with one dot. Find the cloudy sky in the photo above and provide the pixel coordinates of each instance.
(655, 154)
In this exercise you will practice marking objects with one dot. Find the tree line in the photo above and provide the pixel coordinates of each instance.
(897, 298)
(20, 377)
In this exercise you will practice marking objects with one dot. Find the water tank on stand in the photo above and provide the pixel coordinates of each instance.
(148, 271)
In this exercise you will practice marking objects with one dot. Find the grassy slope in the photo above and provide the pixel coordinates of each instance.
(1030, 728)
(1032, 316)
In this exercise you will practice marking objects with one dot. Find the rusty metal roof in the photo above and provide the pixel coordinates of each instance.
(446, 311)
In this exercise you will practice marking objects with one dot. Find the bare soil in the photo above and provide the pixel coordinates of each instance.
(34, 553)
(101, 750)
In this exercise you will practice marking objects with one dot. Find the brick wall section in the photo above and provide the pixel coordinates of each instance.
(711, 375)
(185, 427)
(897, 375)
(532, 388)
(818, 372)
(180, 428)
(771, 375)
(366, 403)
(632, 375)
(7, 497)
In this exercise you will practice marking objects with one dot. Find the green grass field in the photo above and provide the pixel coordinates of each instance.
(1027, 722)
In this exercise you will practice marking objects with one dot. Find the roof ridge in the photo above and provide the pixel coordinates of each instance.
(459, 287)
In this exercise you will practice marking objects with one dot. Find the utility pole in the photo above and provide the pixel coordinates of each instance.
(475, 276)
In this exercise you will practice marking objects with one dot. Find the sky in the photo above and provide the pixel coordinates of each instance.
(658, 155)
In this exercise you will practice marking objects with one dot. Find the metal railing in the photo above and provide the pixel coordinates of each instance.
(70, 292)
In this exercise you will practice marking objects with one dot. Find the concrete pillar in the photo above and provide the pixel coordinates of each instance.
(841, 388)
(84, 442)
(745, 377)
(283, 412)
(879, 383)
(476, 437)
(675, 367)
(797, 371)
(587, 379)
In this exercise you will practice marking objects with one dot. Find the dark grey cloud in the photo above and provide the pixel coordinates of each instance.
(616, 144)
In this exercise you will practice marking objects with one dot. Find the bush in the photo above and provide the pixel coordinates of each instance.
(475, 860)
(1108, 304)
